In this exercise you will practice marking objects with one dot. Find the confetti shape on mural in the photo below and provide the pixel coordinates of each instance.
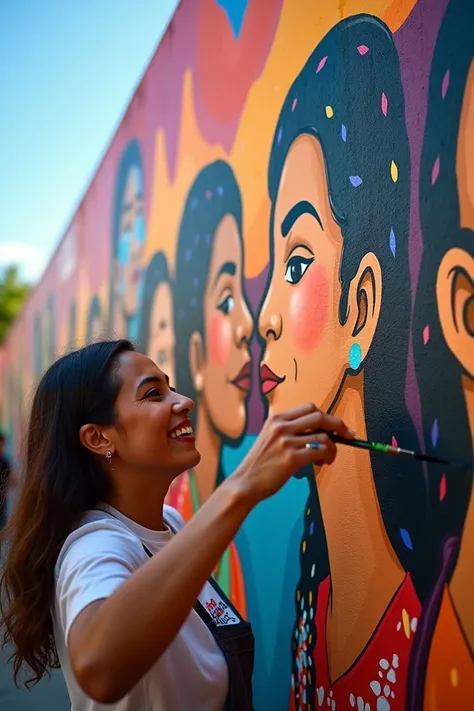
(406, 623)
(280, 134)
(393, 242)
(394, 171)
(384, 103)
(394, 442)
(321, 64)
(356, 180)
(442, 487)
(435, 171)
(329, 111)
(434, 433)
(426, 335)
(293, 105)
(343, 133)
(445, 84)
(362, 49)
(406, 538)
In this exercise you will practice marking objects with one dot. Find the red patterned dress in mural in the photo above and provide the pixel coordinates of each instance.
(183, 496)
(377, 679)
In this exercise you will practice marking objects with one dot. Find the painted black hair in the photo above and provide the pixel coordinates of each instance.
(157, 273)
(444, 410)
(349, 96)
(213, 195)
(131, 158)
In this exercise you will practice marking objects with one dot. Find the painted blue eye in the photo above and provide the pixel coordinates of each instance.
(227, 305)
(123, 251)
(296, 268)
(139, 227)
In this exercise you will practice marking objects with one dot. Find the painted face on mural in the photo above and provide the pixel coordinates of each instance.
(223, 374)
(455, 279)
(162, 339)
(131, 244)
(299, 317)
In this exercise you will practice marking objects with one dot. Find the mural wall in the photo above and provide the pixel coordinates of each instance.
(287, 213)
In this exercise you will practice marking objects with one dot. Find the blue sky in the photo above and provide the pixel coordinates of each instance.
(67, 71)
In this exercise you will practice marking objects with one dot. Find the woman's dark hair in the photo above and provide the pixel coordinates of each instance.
(444, 409)
(349, 97)
(157, 273)
(131, 158)
(213, 195)
(95, 314)
(62, 479)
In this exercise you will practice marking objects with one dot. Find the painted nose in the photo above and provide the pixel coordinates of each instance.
(244, 327)
(270, 322)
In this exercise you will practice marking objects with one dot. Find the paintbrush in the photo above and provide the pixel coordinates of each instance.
(390, 449)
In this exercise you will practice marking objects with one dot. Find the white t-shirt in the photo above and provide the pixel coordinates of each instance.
(95, 559)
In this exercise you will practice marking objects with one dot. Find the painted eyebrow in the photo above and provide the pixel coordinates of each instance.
(301, 208)
(152, 379)
(226, 268)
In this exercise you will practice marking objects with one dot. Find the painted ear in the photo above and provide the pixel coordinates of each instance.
(455, 300)
(364, 302)
(197, 361)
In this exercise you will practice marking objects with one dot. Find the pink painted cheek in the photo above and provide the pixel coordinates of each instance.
(309, 308)
(220, 339)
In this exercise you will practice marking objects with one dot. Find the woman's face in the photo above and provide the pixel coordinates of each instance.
(130, 247)
(153, 429)
(162, 340)
(304, 354)
(228, 325)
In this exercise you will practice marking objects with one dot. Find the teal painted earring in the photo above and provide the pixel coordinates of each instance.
(355, 356)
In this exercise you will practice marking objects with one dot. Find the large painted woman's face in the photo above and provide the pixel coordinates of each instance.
(455, 278)
(228, 328)
(130, 248)
(304, 355)
(162, 339)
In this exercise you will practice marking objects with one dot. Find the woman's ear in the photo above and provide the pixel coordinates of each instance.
(94, 440)
(363, 310)
(455, 300)
(197, 361)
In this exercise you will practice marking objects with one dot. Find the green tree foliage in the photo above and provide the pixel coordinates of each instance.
(13, 292)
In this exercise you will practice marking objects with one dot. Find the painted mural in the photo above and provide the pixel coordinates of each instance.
(286, 213)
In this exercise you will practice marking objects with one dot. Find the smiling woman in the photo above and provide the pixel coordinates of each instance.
(99, 578)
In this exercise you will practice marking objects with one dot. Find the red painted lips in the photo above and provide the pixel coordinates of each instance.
(243, 381)
(269, 380)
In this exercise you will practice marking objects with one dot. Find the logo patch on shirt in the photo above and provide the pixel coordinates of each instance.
(220, 612)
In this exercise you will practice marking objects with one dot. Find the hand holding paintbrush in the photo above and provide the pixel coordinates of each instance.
(389, 449)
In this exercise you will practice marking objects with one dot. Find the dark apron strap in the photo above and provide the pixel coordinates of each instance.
(236, 642)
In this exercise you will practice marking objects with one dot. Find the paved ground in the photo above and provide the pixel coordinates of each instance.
(50, 695)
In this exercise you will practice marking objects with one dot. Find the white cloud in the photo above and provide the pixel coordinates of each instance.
(30, 259)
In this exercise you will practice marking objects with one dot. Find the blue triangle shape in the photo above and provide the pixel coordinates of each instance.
(235, 11)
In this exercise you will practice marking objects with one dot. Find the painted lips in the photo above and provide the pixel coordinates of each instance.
(269, 379)
(243, 381)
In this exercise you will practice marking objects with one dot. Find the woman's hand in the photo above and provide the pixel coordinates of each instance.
(281, 449)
